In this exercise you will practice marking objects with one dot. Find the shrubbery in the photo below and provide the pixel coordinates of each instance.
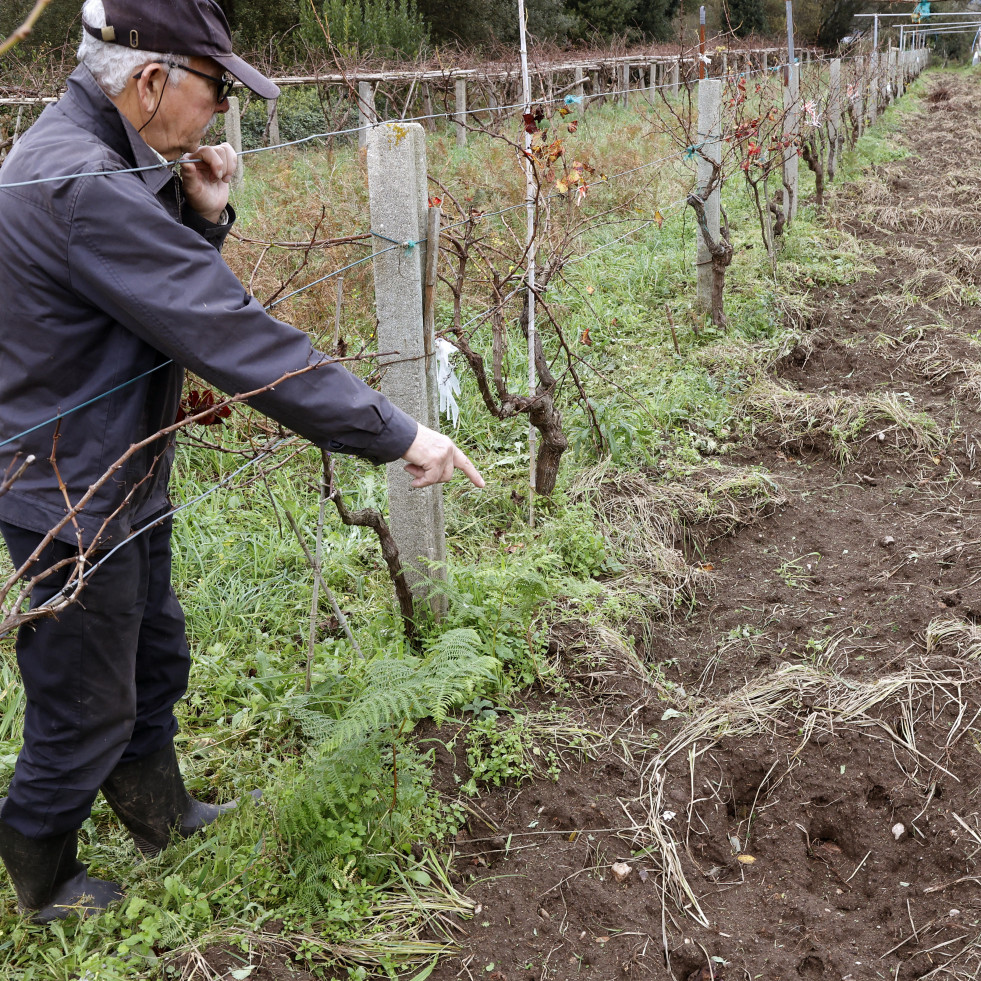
(388, 28)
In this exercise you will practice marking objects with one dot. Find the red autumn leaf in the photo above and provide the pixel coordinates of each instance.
(196, 402)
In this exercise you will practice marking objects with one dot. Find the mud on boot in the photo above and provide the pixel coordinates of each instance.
(50, 882)
(149, 797)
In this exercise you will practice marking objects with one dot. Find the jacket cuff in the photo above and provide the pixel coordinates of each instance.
(213, 232)
(389, 445)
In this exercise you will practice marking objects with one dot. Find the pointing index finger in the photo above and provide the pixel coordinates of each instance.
(462, 463)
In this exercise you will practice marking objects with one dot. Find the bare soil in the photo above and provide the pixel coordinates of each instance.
(809, 809)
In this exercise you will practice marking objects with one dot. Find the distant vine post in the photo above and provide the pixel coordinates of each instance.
(791, 105)
(709, 158)
(701, 43)
(530, 202)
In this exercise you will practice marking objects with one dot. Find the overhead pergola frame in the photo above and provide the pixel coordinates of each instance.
(915, 28)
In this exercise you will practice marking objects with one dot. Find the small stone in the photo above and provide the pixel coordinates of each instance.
(888, 540)
(898, 830)
(620, 870)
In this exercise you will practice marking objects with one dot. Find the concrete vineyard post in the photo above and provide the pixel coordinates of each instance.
(873, 88)
(397, 197)
(709, 150)
(367, 116)
(860, 98)
(675, 77)
(460, 115)
(233, 134)
(834, 111)
(579, 88)
(791, 162)
(272, 122)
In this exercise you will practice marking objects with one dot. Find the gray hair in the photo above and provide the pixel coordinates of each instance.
(112, 65)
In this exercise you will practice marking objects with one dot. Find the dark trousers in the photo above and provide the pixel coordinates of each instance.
(101, 678)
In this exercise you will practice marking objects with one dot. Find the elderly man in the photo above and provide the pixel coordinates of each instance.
(113, 285)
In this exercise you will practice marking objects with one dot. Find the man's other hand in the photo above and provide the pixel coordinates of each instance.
(206, 182)
(432, 458)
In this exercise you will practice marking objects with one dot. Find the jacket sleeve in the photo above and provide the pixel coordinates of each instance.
(168, 285)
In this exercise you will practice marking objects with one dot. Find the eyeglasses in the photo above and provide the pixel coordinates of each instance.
(223, 84)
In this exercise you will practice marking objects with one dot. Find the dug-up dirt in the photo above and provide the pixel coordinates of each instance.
(794, 791)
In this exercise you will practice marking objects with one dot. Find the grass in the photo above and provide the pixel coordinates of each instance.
(325, 869)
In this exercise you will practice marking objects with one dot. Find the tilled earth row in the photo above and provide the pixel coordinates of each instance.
(804, 803)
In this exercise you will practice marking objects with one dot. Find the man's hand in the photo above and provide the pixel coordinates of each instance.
(432, 458)
(206, 183)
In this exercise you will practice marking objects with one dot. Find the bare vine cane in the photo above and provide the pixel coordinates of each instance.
(370, 518)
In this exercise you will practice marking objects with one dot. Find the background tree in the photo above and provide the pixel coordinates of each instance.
(747, 17)
(60, 23)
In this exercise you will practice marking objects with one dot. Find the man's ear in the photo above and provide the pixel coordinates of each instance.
(149, 85)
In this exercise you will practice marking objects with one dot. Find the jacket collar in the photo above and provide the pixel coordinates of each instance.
(109, 125)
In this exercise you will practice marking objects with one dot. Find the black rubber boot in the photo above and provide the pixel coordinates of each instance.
(150, 798)
(50, 882)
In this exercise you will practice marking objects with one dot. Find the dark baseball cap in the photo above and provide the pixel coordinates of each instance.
(183, 27)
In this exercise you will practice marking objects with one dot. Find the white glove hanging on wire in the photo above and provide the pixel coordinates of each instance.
(447, 382)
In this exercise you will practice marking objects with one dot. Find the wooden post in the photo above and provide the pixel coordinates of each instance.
(460, 115)
(709, 150)
(427, 107)
(625, 84)
(701, 43)
(580, 82)
(397, 196)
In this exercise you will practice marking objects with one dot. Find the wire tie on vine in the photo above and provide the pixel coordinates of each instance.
(408, 245)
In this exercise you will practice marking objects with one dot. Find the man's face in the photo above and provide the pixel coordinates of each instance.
(186, 111)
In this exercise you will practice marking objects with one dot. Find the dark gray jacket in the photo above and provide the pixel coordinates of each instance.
(103, 280)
